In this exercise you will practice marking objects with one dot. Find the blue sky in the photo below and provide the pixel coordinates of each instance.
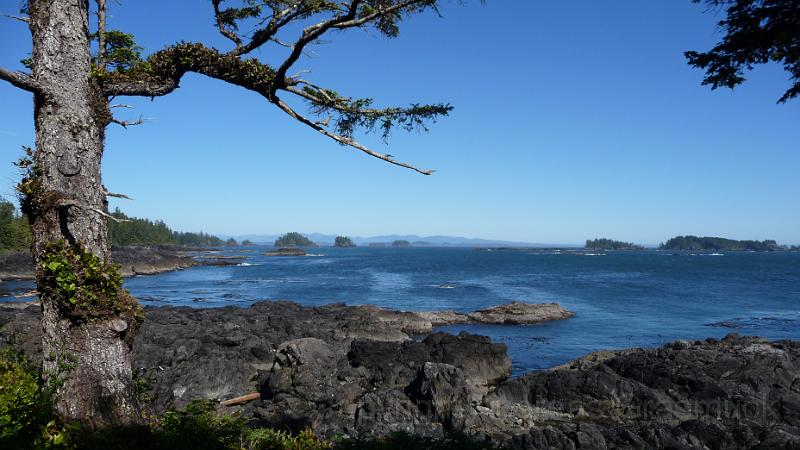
(572, 120)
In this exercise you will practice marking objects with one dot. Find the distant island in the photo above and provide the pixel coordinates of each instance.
(609, 244)
(294, 239)
(718, 243)
(343, 241)
(401, 243)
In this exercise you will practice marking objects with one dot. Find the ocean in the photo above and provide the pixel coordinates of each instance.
(621, 299)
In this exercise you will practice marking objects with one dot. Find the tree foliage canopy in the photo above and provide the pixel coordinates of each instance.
(756, 32)
(15, 233)
(137, 231)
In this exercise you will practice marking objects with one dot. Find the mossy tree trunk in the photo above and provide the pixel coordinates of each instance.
(66, 202)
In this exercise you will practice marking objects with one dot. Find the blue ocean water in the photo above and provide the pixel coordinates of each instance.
(622, 299)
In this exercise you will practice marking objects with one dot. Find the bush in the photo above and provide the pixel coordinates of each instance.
(268, 439)
(196, 427)
(27, 418)
(20, 399)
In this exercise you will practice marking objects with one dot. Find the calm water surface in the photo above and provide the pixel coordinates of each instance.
(622, 299)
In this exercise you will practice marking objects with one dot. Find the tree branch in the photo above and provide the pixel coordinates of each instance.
(19, 18)
(310, 34)
(115, 195)
(140, 88)
(101, 34)
(128, 123)
(278, 20)
(161, 73)
(77, 204)
(223, 29)
(20, 80)
(379, 12)
(342, 139)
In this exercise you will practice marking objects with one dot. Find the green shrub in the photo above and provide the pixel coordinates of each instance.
(20, 399)
(196, 427)
(27, 419)
(269, 439)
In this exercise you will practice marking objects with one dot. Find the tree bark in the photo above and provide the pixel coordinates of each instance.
(71, 114)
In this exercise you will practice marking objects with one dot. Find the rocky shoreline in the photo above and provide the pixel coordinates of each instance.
(134, 260)
(362, 371)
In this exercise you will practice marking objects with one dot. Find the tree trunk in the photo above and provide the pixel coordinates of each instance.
(90, 353)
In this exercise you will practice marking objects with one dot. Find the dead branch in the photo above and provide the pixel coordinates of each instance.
(20, 18)
(20, 80)
(115, 195)
(128, 123)
(75, 203)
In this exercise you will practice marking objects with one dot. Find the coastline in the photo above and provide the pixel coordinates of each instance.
(133, 259)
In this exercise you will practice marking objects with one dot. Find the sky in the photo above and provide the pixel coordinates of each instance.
(572, 120)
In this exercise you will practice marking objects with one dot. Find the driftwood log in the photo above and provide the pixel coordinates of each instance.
(241, 400)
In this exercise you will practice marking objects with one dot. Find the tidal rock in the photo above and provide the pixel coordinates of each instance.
(518, 313)
(442, 318)
(287, 251)
(515, 313)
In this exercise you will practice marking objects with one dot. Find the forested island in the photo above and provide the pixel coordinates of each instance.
(718, 243)
(401, 243)
(343, 241)
(609, 244)
(294, 239)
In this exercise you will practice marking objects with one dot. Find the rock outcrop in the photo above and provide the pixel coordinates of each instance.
(514, 313)
(359, 371)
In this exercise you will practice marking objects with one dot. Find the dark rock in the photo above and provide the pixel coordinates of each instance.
(287, 251)
(355, 371)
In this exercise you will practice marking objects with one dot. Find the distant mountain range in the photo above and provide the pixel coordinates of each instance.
(415, 240)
